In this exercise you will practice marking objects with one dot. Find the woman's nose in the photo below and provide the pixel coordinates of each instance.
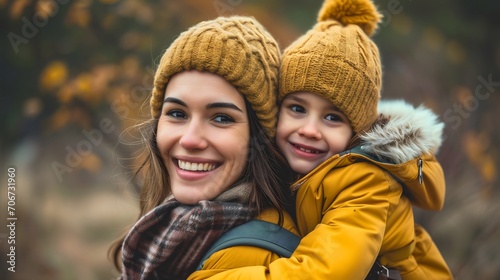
(194, 137)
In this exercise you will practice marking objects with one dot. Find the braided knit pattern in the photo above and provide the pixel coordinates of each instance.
(337, 60)
(236, 48)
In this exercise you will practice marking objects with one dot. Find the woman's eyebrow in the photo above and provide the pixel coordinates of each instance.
(174, 100)
(223, 105)
(209, 106)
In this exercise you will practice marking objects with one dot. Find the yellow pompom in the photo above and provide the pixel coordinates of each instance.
(359, 12)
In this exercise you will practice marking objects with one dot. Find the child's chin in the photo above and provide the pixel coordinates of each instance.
(302, 168)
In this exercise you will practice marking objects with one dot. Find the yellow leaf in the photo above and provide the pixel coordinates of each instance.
(54, 75)
(102, 75)
(488, 168)
(66, 93)
(59, 119)
(46, 8)
(83, 84)
(91, 163)
(79, 14)
(17, 8)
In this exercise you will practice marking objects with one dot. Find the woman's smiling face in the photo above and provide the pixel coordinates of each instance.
(203, 135)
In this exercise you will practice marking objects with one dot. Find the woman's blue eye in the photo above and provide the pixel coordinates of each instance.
(178, 114)
(221, 118)
(297, 108)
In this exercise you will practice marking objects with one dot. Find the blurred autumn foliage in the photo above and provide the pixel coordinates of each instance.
(76, 73)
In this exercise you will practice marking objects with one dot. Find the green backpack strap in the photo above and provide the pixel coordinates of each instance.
(257, 233)
(359, 150)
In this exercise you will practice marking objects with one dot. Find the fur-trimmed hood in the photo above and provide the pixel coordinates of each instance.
(405, 139)
(403, 132)
(403, 142)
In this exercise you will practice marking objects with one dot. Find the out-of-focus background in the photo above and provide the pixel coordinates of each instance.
(74, 74)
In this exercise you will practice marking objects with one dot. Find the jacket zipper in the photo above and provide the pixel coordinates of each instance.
(420, 173)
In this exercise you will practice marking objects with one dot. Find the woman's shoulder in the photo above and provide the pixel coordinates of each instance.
(229, 258)
(272, 215)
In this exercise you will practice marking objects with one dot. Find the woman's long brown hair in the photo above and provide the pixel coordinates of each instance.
(261, 172)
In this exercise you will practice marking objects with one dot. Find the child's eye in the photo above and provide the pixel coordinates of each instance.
(177, 114)
(223, 119)
(297, 108)
(333, 118)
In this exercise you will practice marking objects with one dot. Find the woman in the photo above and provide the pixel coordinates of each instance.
(210, 163)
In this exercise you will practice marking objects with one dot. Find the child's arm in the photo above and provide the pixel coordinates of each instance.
(346, 242)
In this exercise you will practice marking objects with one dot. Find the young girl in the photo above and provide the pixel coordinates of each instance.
(362, 167)
(213, 104)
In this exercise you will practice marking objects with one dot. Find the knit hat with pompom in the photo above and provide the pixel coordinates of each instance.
(337, 60)
(237, 48)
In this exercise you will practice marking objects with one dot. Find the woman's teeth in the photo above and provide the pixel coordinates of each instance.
(194, 166)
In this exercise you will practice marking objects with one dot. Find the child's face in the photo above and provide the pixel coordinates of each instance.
(310, 130)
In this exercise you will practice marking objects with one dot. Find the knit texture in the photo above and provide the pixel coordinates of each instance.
(237, 48)
(337, 60)
(170, 240)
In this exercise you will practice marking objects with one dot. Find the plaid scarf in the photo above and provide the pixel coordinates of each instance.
(170, 240)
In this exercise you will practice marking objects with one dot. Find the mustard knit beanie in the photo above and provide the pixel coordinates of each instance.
(239, 49)
(338, 60)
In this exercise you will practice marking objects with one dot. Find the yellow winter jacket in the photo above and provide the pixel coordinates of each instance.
(356, 207)
(244, 256)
